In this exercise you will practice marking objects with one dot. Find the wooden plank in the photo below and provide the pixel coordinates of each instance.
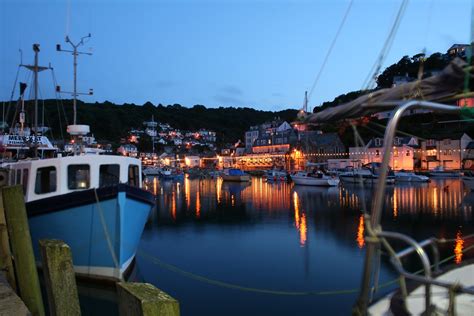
(6, 263)
(144, 299)
(59, 277)
(20, 239)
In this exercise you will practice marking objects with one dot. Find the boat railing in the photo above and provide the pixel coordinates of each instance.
(427, 279)
(374, 229)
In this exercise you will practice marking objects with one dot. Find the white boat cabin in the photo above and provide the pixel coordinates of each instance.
(45, 178)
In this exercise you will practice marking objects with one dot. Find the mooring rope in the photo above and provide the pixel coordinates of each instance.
(233, 286)
(106, 231)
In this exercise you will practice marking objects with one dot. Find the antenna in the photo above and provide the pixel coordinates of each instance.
(75, 53)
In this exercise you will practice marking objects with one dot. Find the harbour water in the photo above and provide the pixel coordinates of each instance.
(260, 248)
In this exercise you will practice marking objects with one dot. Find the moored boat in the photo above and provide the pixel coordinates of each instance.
(275, 175)
(235, 175)
(94, 203)
(314, 179)
(404, 176)
(468, 180)
(440, 172)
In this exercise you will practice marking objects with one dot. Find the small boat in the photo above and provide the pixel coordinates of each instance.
(166, 173)
(440, 172)
(151, 171)
(368, 174)
(315, 179)
(468, 180)
(404, 176)
(235, 175)
(275, 175)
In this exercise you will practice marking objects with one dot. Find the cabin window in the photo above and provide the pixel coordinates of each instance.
(25, 180)
(18, 176)
(12, 177)
(78, 177)
(133, 176)
(109, 175)
(45, 180)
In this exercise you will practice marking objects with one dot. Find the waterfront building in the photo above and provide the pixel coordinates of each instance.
(404, 155)
(445, 151)
(264, 131)
(128, 150)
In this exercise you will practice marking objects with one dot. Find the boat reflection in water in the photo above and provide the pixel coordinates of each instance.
(286, 237)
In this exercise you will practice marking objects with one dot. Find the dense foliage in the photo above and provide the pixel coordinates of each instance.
(110, 122)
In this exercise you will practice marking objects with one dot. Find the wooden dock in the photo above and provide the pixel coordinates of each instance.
(10, 303)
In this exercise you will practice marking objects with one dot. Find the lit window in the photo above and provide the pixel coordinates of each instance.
(78, 177)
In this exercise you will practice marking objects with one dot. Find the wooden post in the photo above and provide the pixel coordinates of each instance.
(6, 263)
(59, 278)
(20, 239)
(144, 299)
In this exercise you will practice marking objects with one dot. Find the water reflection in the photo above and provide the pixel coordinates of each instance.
(300, 220)
(360, 232)
(409, 208)
(311, 237)
(458, 247)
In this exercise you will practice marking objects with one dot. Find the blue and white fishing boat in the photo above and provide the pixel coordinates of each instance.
(94, 203)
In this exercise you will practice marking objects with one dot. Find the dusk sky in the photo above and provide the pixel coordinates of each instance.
(262, 54)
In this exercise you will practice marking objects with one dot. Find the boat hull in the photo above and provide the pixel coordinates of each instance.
(103, 228)
(468, 182)
(315, 181)
(237, 178)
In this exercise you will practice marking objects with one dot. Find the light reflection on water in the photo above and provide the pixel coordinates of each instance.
(311, 237)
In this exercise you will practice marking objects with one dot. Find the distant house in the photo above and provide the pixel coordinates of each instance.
(320, 146)
(128, 150)
(446, 151)
(458, 50)
(403, 153)
(264, 130)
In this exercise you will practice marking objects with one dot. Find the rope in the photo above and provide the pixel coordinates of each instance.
(386, 48)
(106, 232)
(330, 49)
(227, 285)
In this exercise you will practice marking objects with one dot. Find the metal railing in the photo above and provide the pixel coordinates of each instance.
(377, 235)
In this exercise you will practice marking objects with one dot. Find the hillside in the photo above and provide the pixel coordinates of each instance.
(109, 122)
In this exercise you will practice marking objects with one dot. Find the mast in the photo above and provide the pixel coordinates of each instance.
(75, 53)
(36, 69)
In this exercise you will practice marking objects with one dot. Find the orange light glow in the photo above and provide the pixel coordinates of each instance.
(360, 232)
(458, 247)
(296, 204)
(198, 205)
(173, 206)
(303, 230)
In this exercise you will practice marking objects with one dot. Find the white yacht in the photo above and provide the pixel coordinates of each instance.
(404, 176)
(314, 179)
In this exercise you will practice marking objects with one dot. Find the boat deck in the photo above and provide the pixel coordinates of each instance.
(439, 295)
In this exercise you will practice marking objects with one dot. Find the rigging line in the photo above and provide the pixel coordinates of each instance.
(386, 48)
(155, 260)
(57, 104)
(469, 51)
(398, 131)
(330, 48)
(58, 95)
(11, 96)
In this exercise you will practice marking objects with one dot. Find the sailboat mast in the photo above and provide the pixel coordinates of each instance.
(35, 71)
